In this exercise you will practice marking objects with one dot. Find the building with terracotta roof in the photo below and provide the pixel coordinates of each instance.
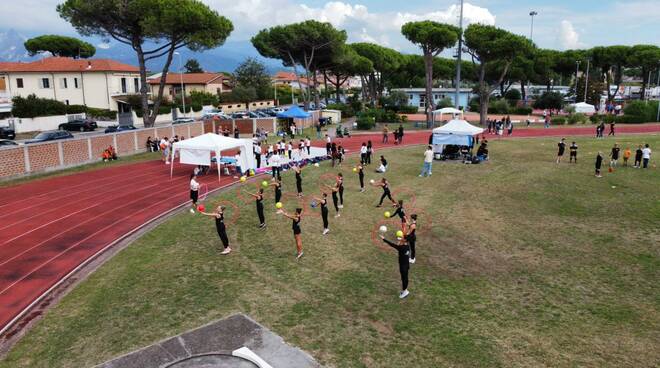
(215, 83)
(98, 83)
(283, 78)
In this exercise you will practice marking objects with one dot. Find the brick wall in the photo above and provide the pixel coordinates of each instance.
(99, 144)
(12, 162)
(244, 126)
(265, 124)
(44, 156)
(208, 126)
(142, 136)
(125, 143)
(75, 151)
(197, 129)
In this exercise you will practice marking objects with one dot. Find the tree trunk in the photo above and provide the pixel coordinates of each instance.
(144, 87)
(484, 95)
(325, 86)
(161, 88)
(644, 80)
(523, 91)
(372, 87)
(317, 99)
(428, 65)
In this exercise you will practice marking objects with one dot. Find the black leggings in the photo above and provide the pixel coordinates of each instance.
(385, 194)
(368, 161)
(412, 241)
(260, 213)
(334, 201)
(278, 196)
(276, 171)
(361, 181)
(222, 233)
(341, 195)
(324, 216)
(404, 277)
(299, 186)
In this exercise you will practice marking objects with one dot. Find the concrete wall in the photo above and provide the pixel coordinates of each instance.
(38, 124)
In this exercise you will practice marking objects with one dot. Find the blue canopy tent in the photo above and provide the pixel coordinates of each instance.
(294, 112)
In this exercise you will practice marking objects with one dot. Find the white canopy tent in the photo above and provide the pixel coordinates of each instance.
(458, 132)
(198, 150)
(584, 108)
(447, 110)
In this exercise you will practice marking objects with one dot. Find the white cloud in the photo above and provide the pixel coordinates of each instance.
(568, 37)
(361, 24)
(103, 45)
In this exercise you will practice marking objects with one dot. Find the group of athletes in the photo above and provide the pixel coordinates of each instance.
(642, 156)
(405, 238)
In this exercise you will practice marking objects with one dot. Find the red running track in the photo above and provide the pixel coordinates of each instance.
(50, 227)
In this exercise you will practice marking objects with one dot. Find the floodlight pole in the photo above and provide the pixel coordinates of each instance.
(577, 70)
(586, 80)
(183, 93)
(458, 59)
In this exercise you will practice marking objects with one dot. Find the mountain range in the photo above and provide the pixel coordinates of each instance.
(221, 59)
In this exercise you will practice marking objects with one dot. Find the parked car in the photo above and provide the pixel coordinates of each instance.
(50, 136)
(7, 133)
(119, 128)
(79, 125)
(183, 120)
(7, 142)
(239, 115)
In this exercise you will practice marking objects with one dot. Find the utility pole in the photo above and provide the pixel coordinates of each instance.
(531, 38)
(458, 59)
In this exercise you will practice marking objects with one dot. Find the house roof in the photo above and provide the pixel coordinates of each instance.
(65, 64)
(190, 78)
(288, 77)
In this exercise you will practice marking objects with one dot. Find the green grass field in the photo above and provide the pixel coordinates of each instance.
(528, 264)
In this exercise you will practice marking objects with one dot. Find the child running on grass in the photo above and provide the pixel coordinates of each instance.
(219, 216)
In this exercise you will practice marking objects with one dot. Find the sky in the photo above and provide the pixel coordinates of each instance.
(560, 24)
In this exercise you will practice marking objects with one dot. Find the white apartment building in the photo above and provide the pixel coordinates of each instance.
(98, 83)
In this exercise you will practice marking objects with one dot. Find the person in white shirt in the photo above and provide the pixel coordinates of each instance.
(194, 191)
(289, 148)
(363, 153)
(270, 152)
(237, 157)
(275, 164)
(308, 146)
(428, 162)
(646, 156)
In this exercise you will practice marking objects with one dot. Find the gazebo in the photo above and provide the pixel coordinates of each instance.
(446, 110)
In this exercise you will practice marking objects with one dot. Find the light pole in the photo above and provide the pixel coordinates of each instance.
(531, 31)
(183, 93)
(577, 70)
(458, 59)
(586, 80)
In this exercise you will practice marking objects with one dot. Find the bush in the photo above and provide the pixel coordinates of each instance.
(101, 114)
(365, 122)
(474, 104)
(549, 100)
(498, 107)
(577, 119)
(346, 110)
(595, 118)
(513, 96)
(168, 109)
(558, 120)
(639, 112)
(408, 110)
(382, 116)
(33, 106)
(76, 109)
(445, 102)
(522, 110)
(196, 107)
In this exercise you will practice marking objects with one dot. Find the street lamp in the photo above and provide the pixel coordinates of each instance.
(531, 31)
(458, 59)
(586, 80)
(577, 70)
(183, 94)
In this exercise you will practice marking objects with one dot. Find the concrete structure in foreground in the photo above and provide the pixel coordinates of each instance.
(236, 341)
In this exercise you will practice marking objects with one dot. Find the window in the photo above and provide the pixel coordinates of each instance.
(435, 97)
(411, 97)
(75, 83)
(45, 83)
(66, 102)
(123, 85)
(63, 83)
(19, 82)
(136, 85)
(422, 100)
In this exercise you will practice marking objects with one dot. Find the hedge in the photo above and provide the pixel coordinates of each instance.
(365, 122)
(559, 120)
(101, 114)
